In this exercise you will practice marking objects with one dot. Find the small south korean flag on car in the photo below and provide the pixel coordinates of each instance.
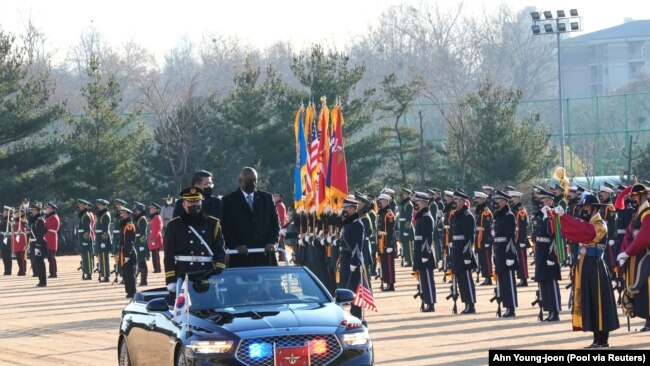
(183, 302)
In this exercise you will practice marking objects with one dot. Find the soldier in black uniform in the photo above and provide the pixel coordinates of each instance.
(521, 240)
(141, 244)
(463, 262)
(405, 217)
(368, 230)
(387, 243)
(547, 267)
(484, 239)
(435, 208)
(447, 214)
(608, 213)
(489, 190)
(116, 233)
(127, 251)
(424, 260)
(505, 252)
(39, 252)
(103, 239)
(193, 241)
(350, 245)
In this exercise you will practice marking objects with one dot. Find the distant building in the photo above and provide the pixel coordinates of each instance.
(598, 63)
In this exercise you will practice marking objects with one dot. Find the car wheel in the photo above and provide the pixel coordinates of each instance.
(180, 357)
(124, 359)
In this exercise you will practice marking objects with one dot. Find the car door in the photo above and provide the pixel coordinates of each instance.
(161, 332)
(137, 338)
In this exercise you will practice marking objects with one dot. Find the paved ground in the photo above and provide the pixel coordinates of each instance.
(74, 322)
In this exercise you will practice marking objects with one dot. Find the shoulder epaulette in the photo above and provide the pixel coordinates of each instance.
(174, 218)
(210, 217)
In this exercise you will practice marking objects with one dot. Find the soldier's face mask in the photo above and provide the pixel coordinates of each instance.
(585, 214)
(194, 210)
(169, 201)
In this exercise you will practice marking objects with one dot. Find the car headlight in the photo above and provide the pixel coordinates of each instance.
(356, 338)
(210, 346)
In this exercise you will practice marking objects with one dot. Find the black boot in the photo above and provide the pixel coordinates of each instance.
(523, 283)
(390, 287)
(469, 309)
(646, 326)
(553, 316)
(510, 313)
(488, 281)
(427, 308)
(601, 340)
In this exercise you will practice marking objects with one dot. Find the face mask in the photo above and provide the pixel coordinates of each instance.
(207, 191)
(169, 201)
(194, 210)
(585, 215)
(453, 205)
(495, 205)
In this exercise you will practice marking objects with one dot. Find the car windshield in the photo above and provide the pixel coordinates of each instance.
(256, 286)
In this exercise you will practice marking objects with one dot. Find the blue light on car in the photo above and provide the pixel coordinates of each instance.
(260, 350)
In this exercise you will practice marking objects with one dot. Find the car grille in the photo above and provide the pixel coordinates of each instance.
(334, 348)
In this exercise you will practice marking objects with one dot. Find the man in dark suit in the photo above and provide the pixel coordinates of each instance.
(211, 205)
(250, 220)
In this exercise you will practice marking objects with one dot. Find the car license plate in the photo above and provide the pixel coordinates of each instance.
(292, 356)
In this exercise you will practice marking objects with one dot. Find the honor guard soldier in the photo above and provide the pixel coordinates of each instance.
(372, 214)
(505, 252)
(435, 208)
(405, 218)
(193, 241)
(463, 262)
(141, 245)
(547, 267)
(103, 239)
(387, 242)
(608, 213)
(391, 193)
(364, 208)
(484, 239)
(117, 232)
(52, 224)
(521, 234)
(5, 245)
(424, 260)
(351, 252)
(155, 235)
(636, 249)
(38, 229)
(84, 240)
(19, 241)
(448, 213)
(93, 222)
(127, 251)
(594, 307)
(489, 191)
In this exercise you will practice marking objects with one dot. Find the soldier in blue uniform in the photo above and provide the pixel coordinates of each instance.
(193, 241)
(435, 208)
(505, 252)
(547, 267)
(351, 252)
(424, 260)
(116, 233)
(463, 262)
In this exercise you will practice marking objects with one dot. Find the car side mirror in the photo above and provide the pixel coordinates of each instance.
(157, 305)
(342, 295)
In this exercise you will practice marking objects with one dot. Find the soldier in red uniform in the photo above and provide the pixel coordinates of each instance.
(52, 224)
(19, 241)
(155, 235)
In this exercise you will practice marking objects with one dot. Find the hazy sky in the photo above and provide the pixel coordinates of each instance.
(158, 25)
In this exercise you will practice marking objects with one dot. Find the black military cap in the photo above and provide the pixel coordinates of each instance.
(589, 199)
(155, 205)
(608, 185)
(362, 198)
(138, 206)
(406, 190)
(82, 201)
(36, 206)
(542, 193)
(639, 189)
(421, 196)
(501, 195)
(460, 195)
(192, 194)
(101, 201)
(580, 188)
(120, 201)
(347, 202)
(51, 205)
(620, 187)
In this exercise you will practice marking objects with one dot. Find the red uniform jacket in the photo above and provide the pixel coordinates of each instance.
(52, 224)
(642, 237)
(282, 213)
(155, 232)
(92, 226)
(19, 236)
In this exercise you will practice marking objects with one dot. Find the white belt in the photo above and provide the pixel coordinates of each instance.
(116, 231)
(136, 235)
(52, 230)
(501, 239)
(32, 240)
(620, 231)
(191, 258)
(418, 237)
(99, 231)
(402, 219)
(446, 226)
(80, 231)
(459, 237)
(543, 240)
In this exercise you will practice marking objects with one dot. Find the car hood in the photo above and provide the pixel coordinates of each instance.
(261, 317)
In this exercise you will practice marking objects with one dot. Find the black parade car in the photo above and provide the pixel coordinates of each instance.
(257, 316)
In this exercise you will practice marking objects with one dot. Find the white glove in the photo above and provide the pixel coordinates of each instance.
(37, 252)
(389, 250)
(549, 263)
(171, 287)
(522, 245)
(126, 259)
(283, 232)
(305, 240)
(622, 258)
(545, 210)
(610, 243)
(424, 260)
(405, 234)
(559, 210)
(467, 261)
(353, 268)
(103, 246)
(510, 262)
(142, 249)
(320, 234)
(487, 245)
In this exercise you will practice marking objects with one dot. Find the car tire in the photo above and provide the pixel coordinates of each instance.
(180, 357)
(123, 357)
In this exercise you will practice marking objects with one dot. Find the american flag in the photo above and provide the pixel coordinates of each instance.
(363, 297)
(312, 163)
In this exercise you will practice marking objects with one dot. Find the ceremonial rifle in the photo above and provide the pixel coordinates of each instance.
(453, 294)
(538, 301)
(497, 298)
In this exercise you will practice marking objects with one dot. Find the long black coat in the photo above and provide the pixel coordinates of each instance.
(545, 250)
(463, 226)
(504, 239)
(254, 229)
(423, 244)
